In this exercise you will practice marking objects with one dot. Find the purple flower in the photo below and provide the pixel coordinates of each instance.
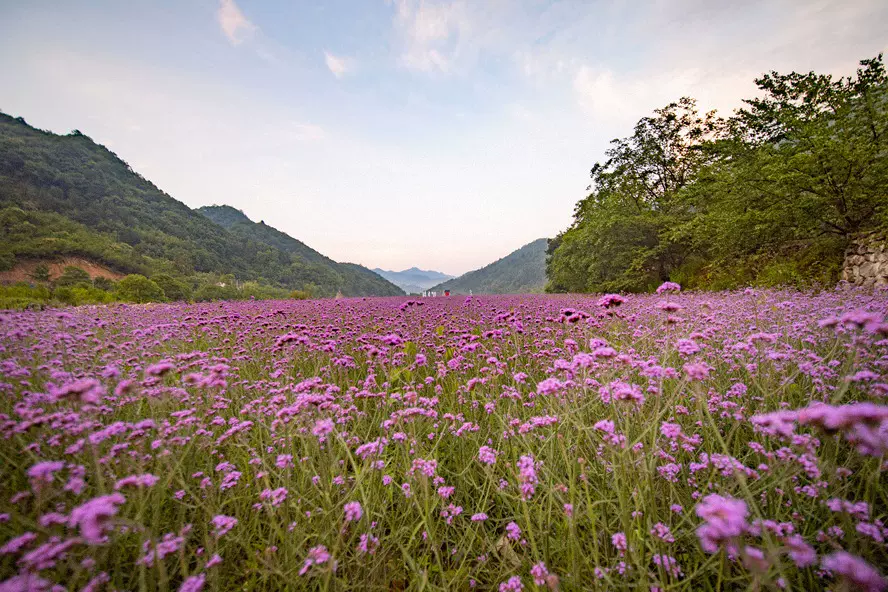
(275, 496)
(487, 455)
(527, 476)
(88, 390)
(322, 427)
(802, 554)
(857, 573)
(725, 519)
(668, 287)
(539, 573)
(550, 386)
(146, 480)
(697, 371)
(426, 467)
(159, 369)
(43, 472)
(669, 564)
(284, 461)
(353, 511)
(92, 517)
(193, 583)
(316, 556)
(223, 524)
(15, 545)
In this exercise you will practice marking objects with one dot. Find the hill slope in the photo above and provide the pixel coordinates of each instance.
(68, 196)
(360, 280)
(414, 280)
(519, 272)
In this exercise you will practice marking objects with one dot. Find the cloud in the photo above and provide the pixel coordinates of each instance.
(432, 33)
(304, 131)
(234, 24)
(713, 52)
(338, 65)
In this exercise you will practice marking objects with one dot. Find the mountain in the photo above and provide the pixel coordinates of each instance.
(413, 280)
(67, 196)
(519, 272)
(361, 281)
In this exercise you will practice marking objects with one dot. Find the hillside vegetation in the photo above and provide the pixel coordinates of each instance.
(522, 271)
(769, 196)
(352, 279)
(68, 196)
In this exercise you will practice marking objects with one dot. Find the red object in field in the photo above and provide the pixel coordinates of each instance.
(447, 292)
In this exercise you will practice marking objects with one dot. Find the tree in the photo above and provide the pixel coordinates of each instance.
(619, 239)
(73, 276)
(138, 288)
(173, 289)
(821, 144)
(796, 173)
(103, 283)
(769, 196)
(40, 273)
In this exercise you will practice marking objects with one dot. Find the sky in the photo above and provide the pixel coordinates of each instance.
(398, 133)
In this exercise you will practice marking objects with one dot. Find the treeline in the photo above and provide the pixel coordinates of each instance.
(75, 287)
(769, 196)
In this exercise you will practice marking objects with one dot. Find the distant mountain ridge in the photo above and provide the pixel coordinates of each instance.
(65, 195)
(519, 272)
(413, 280)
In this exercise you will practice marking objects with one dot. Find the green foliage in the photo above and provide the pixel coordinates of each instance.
(520, 272)
(300, 295)
(618, 239)
(22, 296)
(103, 283)
(138, 288)
(212, 292)
(173, 289)
(40, 273)
(304, 265)
(73, 276)
(66, 195)
(7, 261)
(768, 197)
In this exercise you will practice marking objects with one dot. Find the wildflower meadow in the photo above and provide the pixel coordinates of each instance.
(672, 441)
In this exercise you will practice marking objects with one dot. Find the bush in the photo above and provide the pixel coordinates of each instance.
(103, 283)
(21, 296)
(138, 288)
(65, 295)
(211, 292)
(40, 273)
(90, 295)
(73, 276)
(173, 289)
(300, 294)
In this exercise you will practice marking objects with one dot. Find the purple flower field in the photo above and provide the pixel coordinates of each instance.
(677, 441)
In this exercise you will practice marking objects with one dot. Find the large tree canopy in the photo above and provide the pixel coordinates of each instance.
(770, 195)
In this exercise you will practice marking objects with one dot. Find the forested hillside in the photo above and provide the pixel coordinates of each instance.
(67, 195)
(771, 195)
(354, 279)
(522, 271)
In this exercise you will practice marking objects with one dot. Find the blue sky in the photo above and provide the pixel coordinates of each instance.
(397, 133)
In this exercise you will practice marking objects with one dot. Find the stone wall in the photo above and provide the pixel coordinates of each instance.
(866, 260)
